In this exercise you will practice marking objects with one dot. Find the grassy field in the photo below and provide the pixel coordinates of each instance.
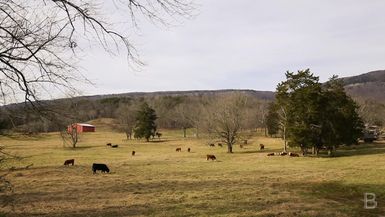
(161, 182)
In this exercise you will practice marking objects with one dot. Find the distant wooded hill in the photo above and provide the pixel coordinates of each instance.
(368, 86)
(367, 89)
(261, 95)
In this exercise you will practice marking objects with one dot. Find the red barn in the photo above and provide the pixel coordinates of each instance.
(80, 128)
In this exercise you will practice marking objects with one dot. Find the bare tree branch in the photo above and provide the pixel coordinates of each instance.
(39, 40)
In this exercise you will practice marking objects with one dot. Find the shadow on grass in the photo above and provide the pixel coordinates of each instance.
(78, 148)
(347, 198)
(316, 199)
(356, 150)
(255, 151)
(22, 137)
(158, 141)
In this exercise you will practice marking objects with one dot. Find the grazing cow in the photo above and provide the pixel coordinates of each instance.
(108, 144)
(114, 146)
(245, 142)
(271, 154)
(211, 157)
(293, 154)
(158, 135)
(212, 145)
(102, 167)
(188, 149)
(220, 145)
(283, 153)
(178, 149)
(133, 153)
(241, 146)
(261, 146)
(68, 162)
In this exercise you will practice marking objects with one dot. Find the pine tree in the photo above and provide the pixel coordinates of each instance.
(145, 126)
(318, 115)
(272, 120)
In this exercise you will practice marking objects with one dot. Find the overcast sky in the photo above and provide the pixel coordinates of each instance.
(248, 44)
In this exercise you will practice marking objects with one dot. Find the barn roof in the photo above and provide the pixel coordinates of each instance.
(85, 125)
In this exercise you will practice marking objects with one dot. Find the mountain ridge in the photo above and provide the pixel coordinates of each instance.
(367, 86)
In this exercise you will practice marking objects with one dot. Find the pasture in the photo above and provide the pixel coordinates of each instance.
(158, 181)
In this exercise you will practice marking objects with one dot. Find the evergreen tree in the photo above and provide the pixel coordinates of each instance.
(318, 115)
(145, 126)
(339, 118)
(272, 120)
(298, 97)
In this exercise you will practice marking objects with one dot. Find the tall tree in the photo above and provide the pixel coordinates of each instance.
(317, 115)
(296, 99)
(183, 117)
(339, 119)
(226, 119)
(145, 126)
(272, 119)
(126, 116)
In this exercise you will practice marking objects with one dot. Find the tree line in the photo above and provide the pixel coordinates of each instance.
(305, 113)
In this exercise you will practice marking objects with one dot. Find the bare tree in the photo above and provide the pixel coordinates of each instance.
(126, 117)
(227, 119)
(40, 40)
(70, 135)
(183, 117)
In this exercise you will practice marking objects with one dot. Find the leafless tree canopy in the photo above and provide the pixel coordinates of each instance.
(40, 39)
(227, 119)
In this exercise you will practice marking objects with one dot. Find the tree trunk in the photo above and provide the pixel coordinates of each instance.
(303, 151)
(229, 148)
(184, 132)
(196, 132)
(331, 150)
(74, 136)
(315, 150)
(284, 139)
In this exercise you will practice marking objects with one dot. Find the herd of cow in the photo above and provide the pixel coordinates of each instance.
(104, 168)
(291, 154)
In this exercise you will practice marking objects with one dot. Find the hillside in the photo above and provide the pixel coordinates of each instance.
(367, 89)
(262, 95)
(368, 86)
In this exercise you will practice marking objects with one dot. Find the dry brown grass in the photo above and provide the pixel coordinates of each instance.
(159, 181)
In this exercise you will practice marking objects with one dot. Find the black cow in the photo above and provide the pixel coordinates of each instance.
(210, 157)
(188, 149)
(133, 153)
(108, 144)
(68, 162)
(114, 146)
(102, 167)
(261, 146)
